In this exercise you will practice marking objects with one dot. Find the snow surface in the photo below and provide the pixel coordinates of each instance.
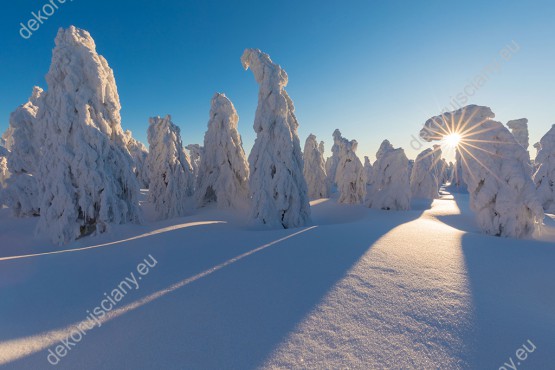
(418, 289)
(278, 188)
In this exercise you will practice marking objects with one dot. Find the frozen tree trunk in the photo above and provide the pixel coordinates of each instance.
(138, 153)
(496, 169)
(314, 169)
(22, 192)
(169, 169)
(390, 187)
(278, 188)
(423, 181)
(519, 128)
(333, 161)
(86, 177)
(223, 171)
(350, 179)
(195, 155)
(544, 177)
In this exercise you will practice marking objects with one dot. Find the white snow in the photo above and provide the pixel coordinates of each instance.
(223, 171)
(497, 171)
(544, 177)
(169, 169)
(390, 185)
(423, 180)
(315, 168)
(277, 185)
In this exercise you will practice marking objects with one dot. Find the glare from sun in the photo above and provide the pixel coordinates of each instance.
(452, 140)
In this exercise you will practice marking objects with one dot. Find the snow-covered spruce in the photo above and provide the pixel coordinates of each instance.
(139, 153)
(314, 169)
(22, 192)
(496, 170)
(195, 154)
(4, 172)
(333, 161)
(423, 180)
(368, 170)
(223, 171)
(439, 165)
(86, 176)
(350, 177)
(544, 177)
(169, 170)
(390, 185)
(519, 129)
(278, 188)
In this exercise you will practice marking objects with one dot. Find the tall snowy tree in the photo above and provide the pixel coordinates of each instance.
(350, 178)
(278, 188)
(496, 170)
(22, 193)
(423, 180)
(544, 177)
(86, 177)
(367, 170)
(169, 169)
(223, 171)
(195, 155)
(314, 169)
(390, 187)
(333, 161)
(138, 153)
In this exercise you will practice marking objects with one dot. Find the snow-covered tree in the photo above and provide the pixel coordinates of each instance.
(495, 168)
(519, 129)
(350, 177)
(4, 172)
(333, 161)
(195, 154)
(138, 153)
(169, 169)
(278, 188)
(6, 139)
(22, 192)
(85, 172)
(390, 187)
(314, 169)
(544, 177)
(423, 180)
(368, 170)
(223, 171)
(439, 165)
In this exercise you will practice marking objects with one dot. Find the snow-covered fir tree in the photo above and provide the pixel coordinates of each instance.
(22, 192)
(390, 185)
(86, 176)
(4, 172)
(496, 169)
(278, 188)
(423, 180)
(333, 161)
(367, 170)
(169, 169)
(350, 177)
(139, 153)
(544, 177)
(195, 154)
(223, 172)
(314, 169)
(519, 129)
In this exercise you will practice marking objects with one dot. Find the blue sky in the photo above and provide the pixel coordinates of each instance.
(374, 69)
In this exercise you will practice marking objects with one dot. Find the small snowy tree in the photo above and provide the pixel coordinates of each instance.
(169, 169)
(314, 169)
(390, 187)
(278, 188)
(86, 177)
(495, 168)
(333, 161)
(423, 181)
(350, 178)
(519, 129)
(544, 177)
(223, 171)
(367, 170)
(195, 155)
(138, 153)
(22, 193)
(4, 172)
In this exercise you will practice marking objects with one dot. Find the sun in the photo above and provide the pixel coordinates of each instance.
(452, 140)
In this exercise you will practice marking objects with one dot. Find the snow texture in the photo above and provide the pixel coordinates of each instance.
(169, 169)
(223, 171)
(544, 177)
(390, 186)
(277, 185)
(496, 170)
(519, 129)
(86, 177)
(22, 192)
(315, 169)
(350, 177)
(423, 180)
(138, 153)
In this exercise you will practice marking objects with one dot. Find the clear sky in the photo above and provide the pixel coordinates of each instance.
(374, 69)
